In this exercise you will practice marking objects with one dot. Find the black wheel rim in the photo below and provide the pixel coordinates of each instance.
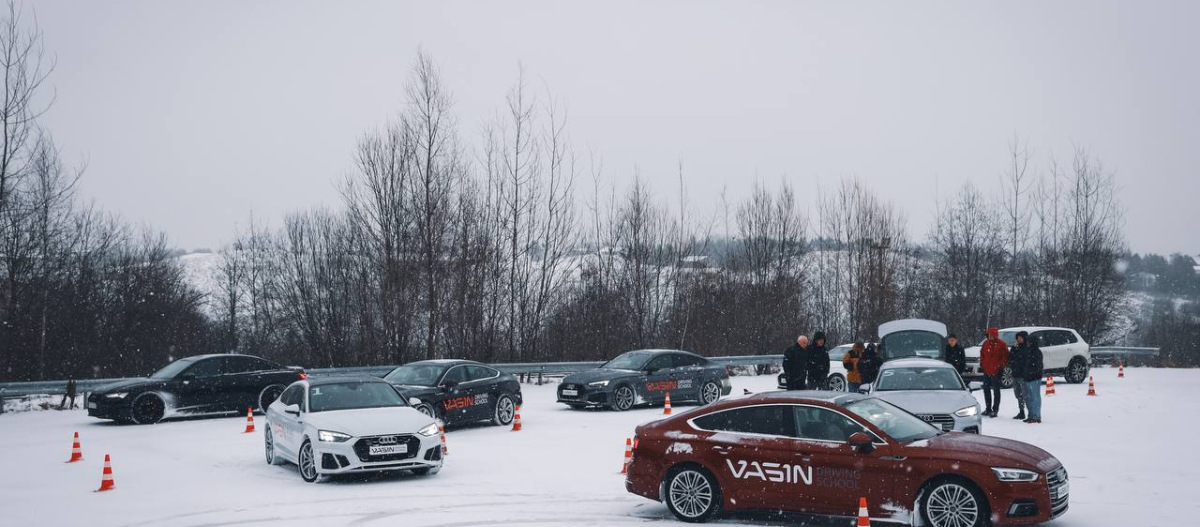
(308, 466)
(148, 409)
(624, 397)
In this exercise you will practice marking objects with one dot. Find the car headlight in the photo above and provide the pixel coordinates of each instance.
(598, 384)
(968, 411)
(1014, 474)
(429, 431)
(329, 436)
(119, 395)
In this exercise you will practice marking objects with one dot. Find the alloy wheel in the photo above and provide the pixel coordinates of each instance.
(308, 465)
(837, 384)
(505, 409)
(952, 505)
(623, 398)
(710, 393)
(691, 494)
(269, 445)
(148, 409)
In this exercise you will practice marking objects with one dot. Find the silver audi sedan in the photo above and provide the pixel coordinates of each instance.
(930, 389)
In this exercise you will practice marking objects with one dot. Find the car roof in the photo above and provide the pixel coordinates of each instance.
(660, 351)
(805, 396)
(343, 379)
(1031, 329)
(444, 362)
(914, 362)
(212, 355)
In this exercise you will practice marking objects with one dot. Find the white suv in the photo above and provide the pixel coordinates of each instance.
(1064, 353)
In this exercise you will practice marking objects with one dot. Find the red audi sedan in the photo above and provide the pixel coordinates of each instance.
(818, 452)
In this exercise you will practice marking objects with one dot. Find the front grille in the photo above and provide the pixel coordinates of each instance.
(577, 387)
(973, 360)
(944, 421)
(362, 447)
(1054, 480)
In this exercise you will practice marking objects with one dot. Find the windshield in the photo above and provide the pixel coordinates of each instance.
(1009, 337)
(630, 360)
(171, 370)
(416, 374)
(352, 395)
(913, 343)
(900, 425)
(918, 378)
(837, 353)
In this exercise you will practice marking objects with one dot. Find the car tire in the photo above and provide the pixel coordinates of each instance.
(269, 447)
(710, 392)
(1006, 378)
(692, 494)
(622, 398)
(502, 414)
(306, 460)
(954, 502)
(836, 383)
(426, 471)
(268, 395)
(427, 409)
(1077, 371)
(147, 409)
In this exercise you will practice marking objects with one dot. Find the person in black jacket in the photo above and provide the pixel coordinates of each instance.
(955, 354)
(818, 362)
(1033, 369)
(795, 364)
(1017, 356)
(868, 365)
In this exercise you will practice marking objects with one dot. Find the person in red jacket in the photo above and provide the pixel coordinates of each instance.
(993, 357)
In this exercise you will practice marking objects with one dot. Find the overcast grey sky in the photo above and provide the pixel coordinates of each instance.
(190, 115)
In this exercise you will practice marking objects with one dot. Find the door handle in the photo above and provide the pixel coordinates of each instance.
(723, 450)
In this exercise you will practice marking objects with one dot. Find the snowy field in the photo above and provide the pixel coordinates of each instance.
(1129, 452)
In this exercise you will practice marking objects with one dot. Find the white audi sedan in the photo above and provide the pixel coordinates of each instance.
(931, 390)
(342, 425)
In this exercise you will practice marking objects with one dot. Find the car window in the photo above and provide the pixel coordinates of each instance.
(660, 362)
(476, 373)
(1049, 338)
(257, 364)
(457, 374)
(776, 420)
(630, 360)
(837, 353)
(416, 374)
(239, 365)
(210, 367)
(913, 343)
(353, 396)
(899, 424)
(1069, 337)
(683, 360)
(918, 378)
(175, 368)
(822, 424)
(292, 395)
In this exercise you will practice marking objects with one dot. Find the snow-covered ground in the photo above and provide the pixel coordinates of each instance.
(1129, 452)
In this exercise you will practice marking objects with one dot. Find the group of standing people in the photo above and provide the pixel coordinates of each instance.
(806, 364)
(1025, 361)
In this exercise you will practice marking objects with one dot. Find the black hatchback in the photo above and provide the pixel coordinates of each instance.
(199, 385)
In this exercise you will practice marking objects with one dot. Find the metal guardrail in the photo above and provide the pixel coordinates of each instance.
(1125, 350)
(540, 369)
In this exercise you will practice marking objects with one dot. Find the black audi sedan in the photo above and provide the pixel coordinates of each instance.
(646, 377)
(458, 391)
(194, 386)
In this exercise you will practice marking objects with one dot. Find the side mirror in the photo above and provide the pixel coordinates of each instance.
(975, 386)
(448, 384)
(861, 442)
(864, 389)
(293, 409)
(414, 401)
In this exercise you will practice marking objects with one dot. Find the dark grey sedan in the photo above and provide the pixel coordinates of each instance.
(646, 377)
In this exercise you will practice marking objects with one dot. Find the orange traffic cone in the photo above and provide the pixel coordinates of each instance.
(1091, 386)
(249, 421)
(1121, 371)
(76, 452)
(628, 455)
(864, 520)
(106, 481)
(1050, 385)
(745, 391)
(517, 420)
(442, 429)
(667, 406)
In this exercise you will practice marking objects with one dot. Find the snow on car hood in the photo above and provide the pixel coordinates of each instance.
(928, 401)
(598, 374)
(371, 421)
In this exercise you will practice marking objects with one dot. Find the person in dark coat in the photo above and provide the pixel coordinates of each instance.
(818, 363)
(1016, 363)
(71, 393)
(955, 354)
(868, 365)
(795, 363)
(1033, 368)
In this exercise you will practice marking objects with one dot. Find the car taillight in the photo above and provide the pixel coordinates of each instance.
(303, 376)
(729, 371)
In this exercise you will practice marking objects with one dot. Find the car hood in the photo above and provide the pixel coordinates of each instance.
(928, 401)
(411, 390)
(127, 385)
(371, 421)
(995, 451)
(598, 374)
(972, 351)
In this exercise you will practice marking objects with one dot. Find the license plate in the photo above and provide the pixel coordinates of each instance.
(385, 450)
(1064, 489)
(91, 406)
(571, 393)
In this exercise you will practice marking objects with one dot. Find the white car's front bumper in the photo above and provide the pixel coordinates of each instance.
(354, 454)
